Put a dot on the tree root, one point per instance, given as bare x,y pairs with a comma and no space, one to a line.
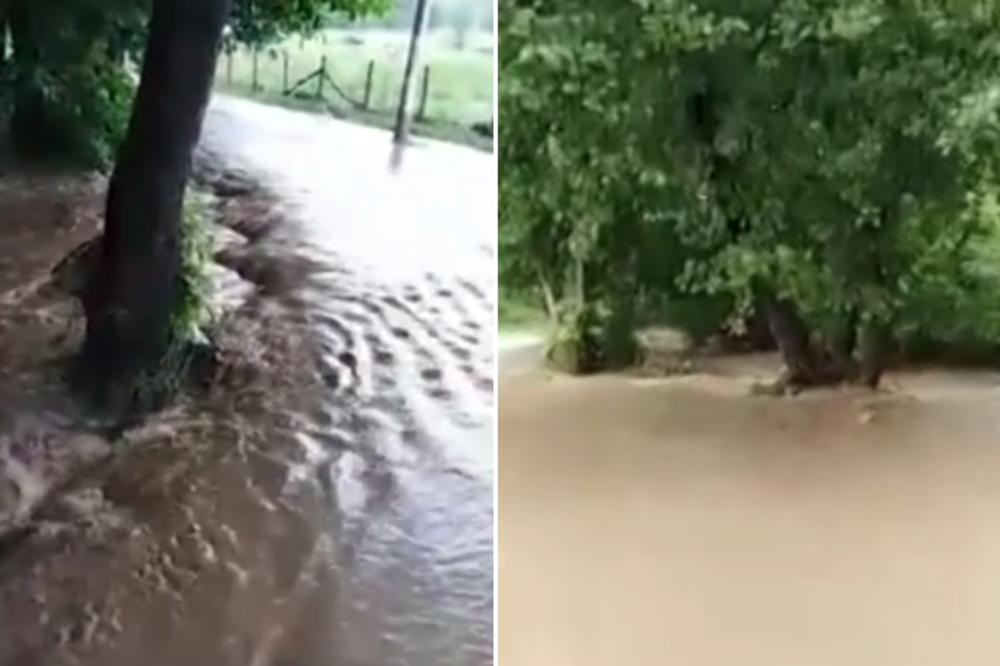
791,384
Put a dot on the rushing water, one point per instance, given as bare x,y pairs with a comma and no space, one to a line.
689,523
344,516
400,301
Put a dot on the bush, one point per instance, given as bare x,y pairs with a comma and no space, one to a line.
833,156
698,317
190,335
593,336
193,314
76,113
951,309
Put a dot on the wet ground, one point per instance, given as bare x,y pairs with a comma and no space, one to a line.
330,500
681,521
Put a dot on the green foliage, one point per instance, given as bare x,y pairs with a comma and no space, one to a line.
192,320
65,88
157,387
460,92
950,306
573,344
86,106
568,219
66,93
519,310
592,335
827,152
262,21
193,314
698,316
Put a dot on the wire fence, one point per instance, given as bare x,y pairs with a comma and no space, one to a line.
362,89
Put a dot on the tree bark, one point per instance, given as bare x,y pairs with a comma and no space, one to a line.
874,344
875,333
758,329
131,297
842,345
792,337
548,295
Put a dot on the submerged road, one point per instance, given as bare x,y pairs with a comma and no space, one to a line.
400,300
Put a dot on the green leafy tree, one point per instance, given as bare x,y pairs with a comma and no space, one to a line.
565,179
804,155
66,84
63,51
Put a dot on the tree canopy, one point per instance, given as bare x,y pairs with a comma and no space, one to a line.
69,93
835,158
64,85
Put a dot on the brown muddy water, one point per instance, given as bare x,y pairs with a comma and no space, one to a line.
680,521
329,500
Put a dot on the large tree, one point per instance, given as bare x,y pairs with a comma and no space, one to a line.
65,79
794,157
132,295
66,59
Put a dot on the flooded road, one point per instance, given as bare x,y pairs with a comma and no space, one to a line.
399,301
331,502
680,521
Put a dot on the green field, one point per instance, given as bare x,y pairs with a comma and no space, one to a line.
520,313
460,88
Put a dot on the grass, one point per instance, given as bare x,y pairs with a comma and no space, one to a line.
191,321
518,313
460,88
193,315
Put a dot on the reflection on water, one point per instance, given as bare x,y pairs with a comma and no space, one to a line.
335,508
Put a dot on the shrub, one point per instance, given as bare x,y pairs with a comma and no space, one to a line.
76,113
193,315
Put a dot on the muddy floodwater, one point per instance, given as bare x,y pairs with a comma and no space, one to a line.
329,500
679,521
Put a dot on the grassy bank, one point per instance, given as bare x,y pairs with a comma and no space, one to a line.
459,87
517,313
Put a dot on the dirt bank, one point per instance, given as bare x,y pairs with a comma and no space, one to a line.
680,521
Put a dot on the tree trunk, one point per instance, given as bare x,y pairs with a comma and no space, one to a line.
874,344
131,297
758,329
842,345
875,331
549,297
793,341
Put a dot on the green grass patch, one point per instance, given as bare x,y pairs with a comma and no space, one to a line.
460,84
518,312
193,316
191,322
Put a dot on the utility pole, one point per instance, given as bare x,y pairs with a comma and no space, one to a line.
401,131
